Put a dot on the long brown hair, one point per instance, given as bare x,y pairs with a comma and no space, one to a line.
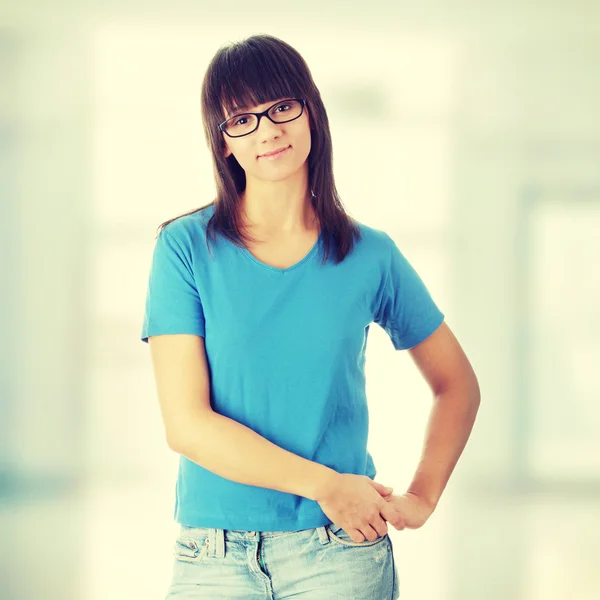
256,70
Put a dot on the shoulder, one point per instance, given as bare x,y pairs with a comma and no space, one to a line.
376,242
189,231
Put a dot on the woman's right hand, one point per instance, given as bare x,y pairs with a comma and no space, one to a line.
355,503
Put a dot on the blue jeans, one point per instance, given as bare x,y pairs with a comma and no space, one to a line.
321,563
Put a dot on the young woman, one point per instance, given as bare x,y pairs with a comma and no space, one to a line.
258,350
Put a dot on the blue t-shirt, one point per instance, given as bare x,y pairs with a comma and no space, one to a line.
286,355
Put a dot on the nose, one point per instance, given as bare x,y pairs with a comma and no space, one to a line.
267,126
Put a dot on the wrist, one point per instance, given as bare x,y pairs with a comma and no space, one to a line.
429,501
321,482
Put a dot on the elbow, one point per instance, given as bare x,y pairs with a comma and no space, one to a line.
476,390
472,392
465,389
193,428
173,439
173,442
177,439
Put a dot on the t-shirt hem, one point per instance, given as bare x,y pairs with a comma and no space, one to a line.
151,332
198,520
404,345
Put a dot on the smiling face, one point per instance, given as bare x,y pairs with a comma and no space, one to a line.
269,137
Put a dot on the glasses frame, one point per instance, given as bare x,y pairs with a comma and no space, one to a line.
260,115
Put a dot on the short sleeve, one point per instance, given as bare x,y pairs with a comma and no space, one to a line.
404,307
173,304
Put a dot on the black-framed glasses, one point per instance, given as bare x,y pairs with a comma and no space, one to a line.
246,123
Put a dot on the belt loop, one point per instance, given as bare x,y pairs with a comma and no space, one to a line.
216,539
323,535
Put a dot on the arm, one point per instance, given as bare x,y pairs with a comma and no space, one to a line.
443,364
215,441
237,452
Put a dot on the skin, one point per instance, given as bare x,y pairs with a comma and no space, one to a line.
276,201
456,400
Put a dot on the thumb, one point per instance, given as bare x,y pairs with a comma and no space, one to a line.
391,514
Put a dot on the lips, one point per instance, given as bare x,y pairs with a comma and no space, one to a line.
274,152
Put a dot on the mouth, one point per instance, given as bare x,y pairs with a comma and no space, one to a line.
274,153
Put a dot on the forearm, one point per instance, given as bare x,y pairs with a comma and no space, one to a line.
449,426
234,451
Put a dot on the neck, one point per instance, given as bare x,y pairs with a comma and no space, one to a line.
277,212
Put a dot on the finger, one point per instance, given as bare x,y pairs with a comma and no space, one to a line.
380,526
369,533
356,535
400,525
381,488
391,515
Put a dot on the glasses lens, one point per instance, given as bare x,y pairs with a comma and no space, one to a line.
241,124
285,110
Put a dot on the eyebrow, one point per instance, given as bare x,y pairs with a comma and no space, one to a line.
237,109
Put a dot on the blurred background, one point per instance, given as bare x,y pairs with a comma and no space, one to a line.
469,131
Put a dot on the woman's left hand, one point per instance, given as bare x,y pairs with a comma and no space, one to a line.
413,509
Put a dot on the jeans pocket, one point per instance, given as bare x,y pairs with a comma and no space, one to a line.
191,549
340,536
